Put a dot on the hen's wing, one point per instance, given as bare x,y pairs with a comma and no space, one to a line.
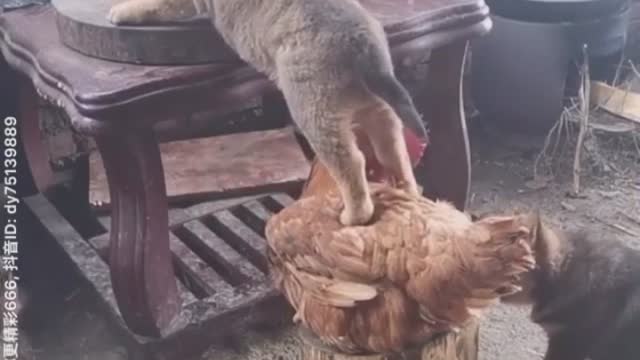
428,248
335,277
407,237
319,181
297,237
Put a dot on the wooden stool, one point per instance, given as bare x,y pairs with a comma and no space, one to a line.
117,104
449,346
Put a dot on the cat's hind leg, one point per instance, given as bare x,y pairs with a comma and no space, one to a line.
385,131
328,131
336,148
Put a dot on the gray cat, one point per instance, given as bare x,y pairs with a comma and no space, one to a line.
585,293
331,60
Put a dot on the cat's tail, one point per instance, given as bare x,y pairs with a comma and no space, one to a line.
386,86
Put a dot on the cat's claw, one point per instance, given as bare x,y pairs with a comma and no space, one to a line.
119,14
129,12
361,216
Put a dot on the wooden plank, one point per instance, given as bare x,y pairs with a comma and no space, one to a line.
178,216
244,238
236,268
232,164
201,272
101,246
619,102
254,214
205,278
82,255
259,210
105,221
278,200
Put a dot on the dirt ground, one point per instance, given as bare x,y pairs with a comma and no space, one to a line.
64,322
502,179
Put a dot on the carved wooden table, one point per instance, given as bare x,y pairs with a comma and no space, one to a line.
117,104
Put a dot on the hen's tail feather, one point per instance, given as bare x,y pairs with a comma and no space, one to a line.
494,271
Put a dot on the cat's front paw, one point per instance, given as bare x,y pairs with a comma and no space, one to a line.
129,12
357,215
411,187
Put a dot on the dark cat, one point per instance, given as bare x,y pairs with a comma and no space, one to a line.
585,292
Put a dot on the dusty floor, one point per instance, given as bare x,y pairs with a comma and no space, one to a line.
65,324
502,179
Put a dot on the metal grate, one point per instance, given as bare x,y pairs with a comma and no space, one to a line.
218,251
218,247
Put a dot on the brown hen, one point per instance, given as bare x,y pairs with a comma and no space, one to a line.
419,268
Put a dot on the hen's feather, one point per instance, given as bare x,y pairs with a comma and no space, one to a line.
421,267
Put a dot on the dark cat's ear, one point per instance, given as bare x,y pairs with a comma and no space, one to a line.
522,225
497,222
532,221
505,226
478,216
548,241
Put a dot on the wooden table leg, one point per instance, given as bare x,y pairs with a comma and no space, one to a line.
9,108
445,170
140,260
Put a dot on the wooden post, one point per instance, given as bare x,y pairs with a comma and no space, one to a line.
450,346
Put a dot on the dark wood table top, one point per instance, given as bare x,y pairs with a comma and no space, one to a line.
98,94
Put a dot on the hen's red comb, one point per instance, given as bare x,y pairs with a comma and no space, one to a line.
375,172
415,146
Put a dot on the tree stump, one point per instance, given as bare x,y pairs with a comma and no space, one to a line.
462,345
